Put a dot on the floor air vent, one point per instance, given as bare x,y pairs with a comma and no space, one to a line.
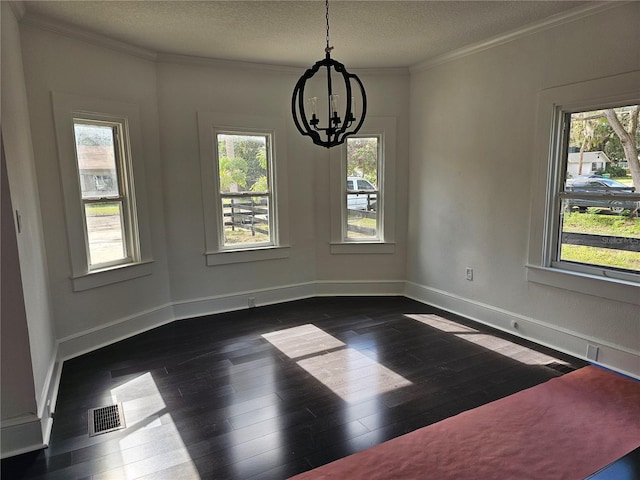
106,419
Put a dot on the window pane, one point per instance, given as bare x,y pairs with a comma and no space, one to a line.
96,160
243,163
593,238
361,224
599,224
105,232
362,159
362,176
246,220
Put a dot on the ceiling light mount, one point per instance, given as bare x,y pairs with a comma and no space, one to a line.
340,121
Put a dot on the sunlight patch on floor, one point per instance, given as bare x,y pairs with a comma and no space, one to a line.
347,372
352,375
491,342
148,418
304,340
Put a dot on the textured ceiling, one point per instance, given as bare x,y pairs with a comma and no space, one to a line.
365,34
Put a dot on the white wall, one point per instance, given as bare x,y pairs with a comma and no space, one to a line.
222,87
473,125
387,95
169,92
56,63
217,87
24,391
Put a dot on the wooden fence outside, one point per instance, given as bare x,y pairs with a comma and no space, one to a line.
247,215
629,244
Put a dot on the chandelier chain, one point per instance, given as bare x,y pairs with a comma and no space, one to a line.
326,3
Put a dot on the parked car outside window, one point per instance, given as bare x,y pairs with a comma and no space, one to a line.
600,185
360,199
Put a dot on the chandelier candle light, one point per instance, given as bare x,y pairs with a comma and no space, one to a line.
338,122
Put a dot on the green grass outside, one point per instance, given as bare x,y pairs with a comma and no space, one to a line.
102,209
618,225
241,236
363,222
613,225
601,256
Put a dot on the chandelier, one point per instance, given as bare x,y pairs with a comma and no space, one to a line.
342,118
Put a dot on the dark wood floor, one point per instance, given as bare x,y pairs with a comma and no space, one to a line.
212,397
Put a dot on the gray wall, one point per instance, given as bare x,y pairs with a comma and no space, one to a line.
473,128
31,359
169,92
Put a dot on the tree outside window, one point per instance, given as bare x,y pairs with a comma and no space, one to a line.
599,197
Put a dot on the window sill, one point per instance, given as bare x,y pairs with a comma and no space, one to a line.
362,248
609,288
227,257
111,275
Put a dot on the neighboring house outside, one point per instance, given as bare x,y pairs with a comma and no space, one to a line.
591,162
97,170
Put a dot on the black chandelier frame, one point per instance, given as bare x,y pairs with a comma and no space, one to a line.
337,129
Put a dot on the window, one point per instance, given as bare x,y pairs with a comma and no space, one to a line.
598,223
244,182
363,190
584,229
243,171
362,196
105,191
103,184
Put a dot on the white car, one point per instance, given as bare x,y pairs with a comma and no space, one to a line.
360,199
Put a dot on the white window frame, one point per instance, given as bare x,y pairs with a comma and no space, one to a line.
273,233
210,124
126,195
379,237
67,109
385,129
542,265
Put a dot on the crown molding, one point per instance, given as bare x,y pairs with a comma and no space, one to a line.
72,31
218,62
18,8
591,8
287,69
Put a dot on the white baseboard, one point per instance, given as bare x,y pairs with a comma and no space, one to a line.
241,300
339,288
563,340
610,356
94,338
21,435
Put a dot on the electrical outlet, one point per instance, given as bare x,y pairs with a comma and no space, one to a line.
252,301
470,274
592,352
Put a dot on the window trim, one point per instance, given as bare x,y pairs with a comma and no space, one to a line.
385,129
542,267
66,109
209,125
